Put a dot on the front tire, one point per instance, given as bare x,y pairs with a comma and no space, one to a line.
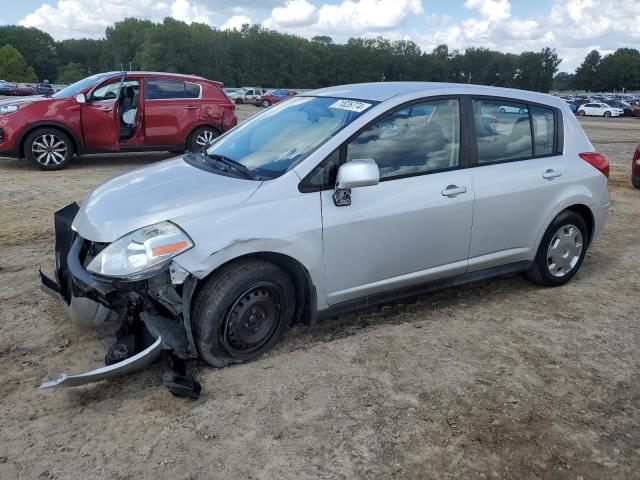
266,104
242,311
581,113
561,250
48,149
607,114
201,137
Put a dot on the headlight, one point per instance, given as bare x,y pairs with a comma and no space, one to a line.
14,107
142,252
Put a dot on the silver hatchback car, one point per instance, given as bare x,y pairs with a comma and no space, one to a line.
334,200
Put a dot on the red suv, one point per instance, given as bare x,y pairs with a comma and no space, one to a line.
115,112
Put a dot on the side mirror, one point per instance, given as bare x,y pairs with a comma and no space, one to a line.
80,98
354,174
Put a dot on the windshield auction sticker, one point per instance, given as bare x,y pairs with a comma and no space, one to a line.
352,105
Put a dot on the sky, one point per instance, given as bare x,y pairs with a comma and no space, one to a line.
572,27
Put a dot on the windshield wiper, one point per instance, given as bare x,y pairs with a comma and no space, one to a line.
235,165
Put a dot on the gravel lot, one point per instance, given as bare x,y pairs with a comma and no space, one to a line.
495,380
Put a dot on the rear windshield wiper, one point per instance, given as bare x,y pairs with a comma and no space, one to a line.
235,165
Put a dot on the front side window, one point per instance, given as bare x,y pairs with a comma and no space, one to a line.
544,130
281,136
503,131
418,139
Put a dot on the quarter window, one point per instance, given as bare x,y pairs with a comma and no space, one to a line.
503,131
544,130
418,139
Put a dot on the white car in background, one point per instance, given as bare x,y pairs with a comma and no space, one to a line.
600,110
511,109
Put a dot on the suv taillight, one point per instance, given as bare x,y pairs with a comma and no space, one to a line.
598,160
635,165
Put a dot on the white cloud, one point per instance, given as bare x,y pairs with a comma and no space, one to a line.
187,12
294,13
236,22
348,17
90,18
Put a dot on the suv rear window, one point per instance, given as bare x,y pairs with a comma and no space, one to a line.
163,89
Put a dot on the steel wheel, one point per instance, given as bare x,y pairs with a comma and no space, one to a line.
49,150
252,320
205,137
564,250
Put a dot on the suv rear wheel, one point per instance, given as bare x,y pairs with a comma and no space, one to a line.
561,250
201,137
242,311
48,148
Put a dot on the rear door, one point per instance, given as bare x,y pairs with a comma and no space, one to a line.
171,110
100,117
519,178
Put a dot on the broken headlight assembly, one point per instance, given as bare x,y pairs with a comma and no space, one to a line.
141,253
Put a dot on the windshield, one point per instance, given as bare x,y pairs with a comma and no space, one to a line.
283,135
77,87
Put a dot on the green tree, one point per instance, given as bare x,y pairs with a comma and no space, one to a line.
70,73
36,46
585,75
13,66
563,81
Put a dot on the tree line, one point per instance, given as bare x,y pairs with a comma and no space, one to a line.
260,57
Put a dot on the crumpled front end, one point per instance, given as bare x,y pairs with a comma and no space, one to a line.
151,316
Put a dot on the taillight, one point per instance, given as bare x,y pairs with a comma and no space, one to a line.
598,160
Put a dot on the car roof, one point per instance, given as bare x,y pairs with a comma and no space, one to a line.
381,91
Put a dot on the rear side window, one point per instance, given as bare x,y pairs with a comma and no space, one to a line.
191,90
164,89
503,131
544,130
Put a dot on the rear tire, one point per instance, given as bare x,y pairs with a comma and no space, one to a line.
48,149
635,181
561,250
200,137
242,311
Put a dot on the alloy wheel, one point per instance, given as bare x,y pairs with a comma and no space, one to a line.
49,150
564,250
205,137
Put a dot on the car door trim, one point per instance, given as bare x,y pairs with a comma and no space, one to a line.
372,300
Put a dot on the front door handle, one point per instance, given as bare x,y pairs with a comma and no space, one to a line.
453,191
106,109
190,107
551,174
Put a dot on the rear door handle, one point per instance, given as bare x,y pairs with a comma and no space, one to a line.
453,191
190,107
551,174
106,109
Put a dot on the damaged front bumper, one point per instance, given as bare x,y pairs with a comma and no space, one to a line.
151,315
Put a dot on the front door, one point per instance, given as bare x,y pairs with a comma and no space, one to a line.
100,117
415,225
519,182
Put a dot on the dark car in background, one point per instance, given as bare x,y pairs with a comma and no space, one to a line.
22,90
115,112
5,88
274,96
44,89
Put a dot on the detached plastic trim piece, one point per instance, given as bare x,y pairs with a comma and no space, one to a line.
132,364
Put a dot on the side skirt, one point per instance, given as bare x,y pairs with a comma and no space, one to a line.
386,297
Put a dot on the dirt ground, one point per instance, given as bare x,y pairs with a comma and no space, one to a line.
502,379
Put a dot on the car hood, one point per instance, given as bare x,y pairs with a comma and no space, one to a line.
25,99
166,190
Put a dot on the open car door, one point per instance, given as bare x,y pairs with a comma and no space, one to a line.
100,117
